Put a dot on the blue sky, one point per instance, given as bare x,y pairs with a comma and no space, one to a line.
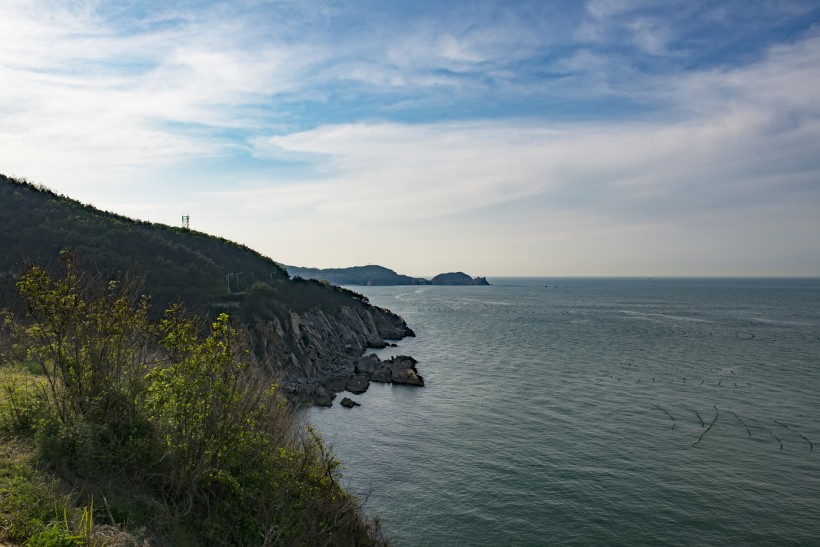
607,137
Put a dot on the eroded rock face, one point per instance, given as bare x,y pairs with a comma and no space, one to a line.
314,393
383,375
367,364
358,383
337,384
403,371
406,376
318,354
400,370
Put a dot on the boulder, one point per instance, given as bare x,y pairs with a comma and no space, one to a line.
358,384
401,361
406,376
403,371
323,397
349,403
367,364
382,375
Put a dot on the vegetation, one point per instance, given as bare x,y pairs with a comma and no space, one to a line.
118,428
174,263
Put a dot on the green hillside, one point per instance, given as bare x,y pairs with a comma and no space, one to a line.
178,264
174,264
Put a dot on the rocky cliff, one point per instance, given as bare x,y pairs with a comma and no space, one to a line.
317,353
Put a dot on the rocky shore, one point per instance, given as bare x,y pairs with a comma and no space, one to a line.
321,353
396,370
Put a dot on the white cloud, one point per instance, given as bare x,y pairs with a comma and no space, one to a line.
742,159
94,99
85,103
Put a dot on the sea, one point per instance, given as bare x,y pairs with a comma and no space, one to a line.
581,411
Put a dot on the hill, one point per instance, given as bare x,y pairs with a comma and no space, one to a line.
178,264
357,275
306,332
379,275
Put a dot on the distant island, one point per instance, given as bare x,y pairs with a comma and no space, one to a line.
458,278
379,275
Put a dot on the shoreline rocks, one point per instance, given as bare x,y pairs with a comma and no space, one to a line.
398,370
358,383
319,352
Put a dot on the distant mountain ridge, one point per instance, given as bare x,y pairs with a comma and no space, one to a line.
379,275
357,275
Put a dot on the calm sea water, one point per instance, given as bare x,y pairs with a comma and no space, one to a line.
595,411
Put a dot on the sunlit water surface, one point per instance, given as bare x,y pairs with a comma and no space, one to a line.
594,411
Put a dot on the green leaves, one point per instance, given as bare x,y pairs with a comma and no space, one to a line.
202,401
89,340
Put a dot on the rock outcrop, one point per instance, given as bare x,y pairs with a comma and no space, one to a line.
320,354
358,383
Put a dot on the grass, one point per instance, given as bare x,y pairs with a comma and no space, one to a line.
35,509
21,403
29,499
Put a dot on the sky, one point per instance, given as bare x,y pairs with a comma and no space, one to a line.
511,137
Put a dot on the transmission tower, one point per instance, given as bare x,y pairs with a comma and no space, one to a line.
186,222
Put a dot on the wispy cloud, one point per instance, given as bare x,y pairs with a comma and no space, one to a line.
745,147
539,124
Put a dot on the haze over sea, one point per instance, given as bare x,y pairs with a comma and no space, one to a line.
594,411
